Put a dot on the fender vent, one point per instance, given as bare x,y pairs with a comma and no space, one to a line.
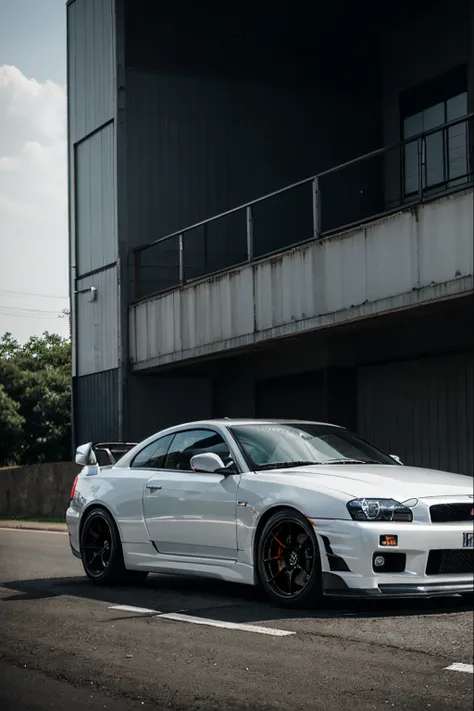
335,561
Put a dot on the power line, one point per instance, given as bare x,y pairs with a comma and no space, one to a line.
30,293
12,311
30,316
27,308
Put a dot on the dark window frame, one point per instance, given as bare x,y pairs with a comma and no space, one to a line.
198,429
132,464
438,90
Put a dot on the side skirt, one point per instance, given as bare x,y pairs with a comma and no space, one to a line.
143,556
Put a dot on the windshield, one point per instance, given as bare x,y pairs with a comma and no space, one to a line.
276,444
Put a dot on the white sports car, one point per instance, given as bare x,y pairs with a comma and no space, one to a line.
305,509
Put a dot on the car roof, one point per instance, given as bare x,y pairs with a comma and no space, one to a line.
216,422
228,421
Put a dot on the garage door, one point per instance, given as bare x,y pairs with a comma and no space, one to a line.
421,410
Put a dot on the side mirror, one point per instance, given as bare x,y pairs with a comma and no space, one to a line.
397,458
209,463
85,456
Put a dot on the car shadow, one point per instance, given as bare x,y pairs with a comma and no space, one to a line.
224,601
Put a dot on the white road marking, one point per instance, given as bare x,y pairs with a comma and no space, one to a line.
272,631
130,608
33,530
178,617
469,668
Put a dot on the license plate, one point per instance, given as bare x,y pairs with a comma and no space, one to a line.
468,540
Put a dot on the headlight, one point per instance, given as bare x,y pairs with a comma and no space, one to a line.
378,510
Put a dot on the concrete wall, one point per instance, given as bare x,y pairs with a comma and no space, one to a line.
407,260
39,490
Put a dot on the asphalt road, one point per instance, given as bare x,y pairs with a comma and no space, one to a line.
63,647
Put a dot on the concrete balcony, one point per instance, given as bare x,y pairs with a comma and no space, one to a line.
401,261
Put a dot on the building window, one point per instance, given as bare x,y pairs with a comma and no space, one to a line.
444,155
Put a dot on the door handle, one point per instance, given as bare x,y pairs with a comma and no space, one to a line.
154,487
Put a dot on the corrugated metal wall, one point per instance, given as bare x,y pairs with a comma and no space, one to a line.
300,396
97,323
158,402
96,407
96,195
207,131
93,230
422,410
91,66
199,146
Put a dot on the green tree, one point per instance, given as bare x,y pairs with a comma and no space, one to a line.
36,377
11,428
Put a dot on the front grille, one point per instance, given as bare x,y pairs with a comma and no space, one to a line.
452,513
450,562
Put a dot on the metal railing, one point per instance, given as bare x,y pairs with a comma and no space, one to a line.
410,186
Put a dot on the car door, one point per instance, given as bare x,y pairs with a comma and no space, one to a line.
191,513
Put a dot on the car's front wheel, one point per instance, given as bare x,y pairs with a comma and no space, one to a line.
101,551
288,560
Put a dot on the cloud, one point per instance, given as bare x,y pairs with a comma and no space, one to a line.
24,97
33,202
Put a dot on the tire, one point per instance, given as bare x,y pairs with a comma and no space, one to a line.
294,556
101,551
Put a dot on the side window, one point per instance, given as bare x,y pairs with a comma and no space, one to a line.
153,455
186,444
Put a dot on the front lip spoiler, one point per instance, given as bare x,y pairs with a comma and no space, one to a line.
385,591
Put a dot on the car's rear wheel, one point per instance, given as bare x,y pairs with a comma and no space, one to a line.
101,551
289,565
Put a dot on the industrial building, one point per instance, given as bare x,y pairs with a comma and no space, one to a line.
271,214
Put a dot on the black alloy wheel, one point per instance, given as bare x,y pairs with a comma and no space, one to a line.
101,551
288,560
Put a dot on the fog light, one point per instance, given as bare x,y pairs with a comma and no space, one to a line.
389,541
379,561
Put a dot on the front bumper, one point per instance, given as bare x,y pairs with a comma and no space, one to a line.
348,547
335,586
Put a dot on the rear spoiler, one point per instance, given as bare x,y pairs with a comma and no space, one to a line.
113,450
102,453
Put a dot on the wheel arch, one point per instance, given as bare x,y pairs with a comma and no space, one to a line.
316,584
264,517
91,507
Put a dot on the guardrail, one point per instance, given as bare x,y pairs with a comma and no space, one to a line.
386,181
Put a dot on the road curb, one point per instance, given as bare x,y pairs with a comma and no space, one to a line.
33,526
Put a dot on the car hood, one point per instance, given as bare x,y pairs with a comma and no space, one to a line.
374,480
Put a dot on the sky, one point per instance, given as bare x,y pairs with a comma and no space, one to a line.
33,168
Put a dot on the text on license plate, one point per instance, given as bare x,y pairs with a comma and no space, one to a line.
468,540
